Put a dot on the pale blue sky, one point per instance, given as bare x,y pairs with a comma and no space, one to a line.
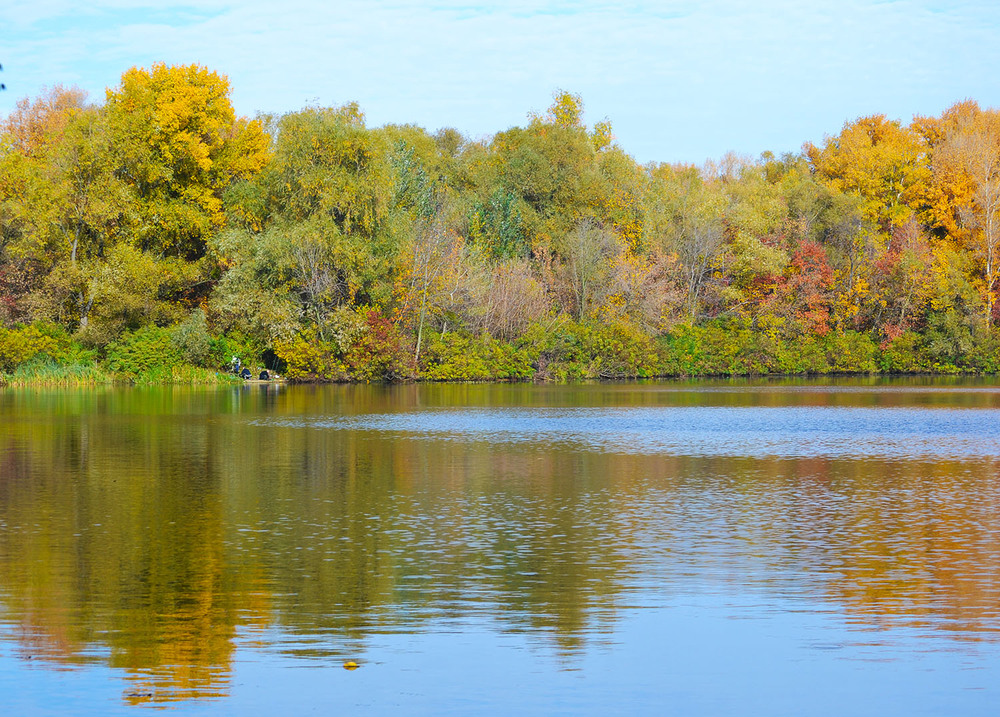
680,80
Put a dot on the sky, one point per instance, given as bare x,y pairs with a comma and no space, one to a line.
680,80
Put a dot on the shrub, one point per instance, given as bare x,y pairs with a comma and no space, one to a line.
984,356
380,352
681,350
141,351
460,357
904,354
851,352
192,340
222,349
307,358
36,342
619,349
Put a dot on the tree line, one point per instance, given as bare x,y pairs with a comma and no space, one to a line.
159,229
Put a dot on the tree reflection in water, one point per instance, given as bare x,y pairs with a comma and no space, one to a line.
153,530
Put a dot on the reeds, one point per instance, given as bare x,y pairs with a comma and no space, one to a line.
53,374
46,373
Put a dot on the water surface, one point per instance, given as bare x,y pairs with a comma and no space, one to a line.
700,548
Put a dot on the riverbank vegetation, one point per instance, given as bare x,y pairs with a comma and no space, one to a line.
155,235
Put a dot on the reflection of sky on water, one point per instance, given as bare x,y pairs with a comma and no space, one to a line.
502,549
712,655
792,432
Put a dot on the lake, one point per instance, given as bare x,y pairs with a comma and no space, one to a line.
699,548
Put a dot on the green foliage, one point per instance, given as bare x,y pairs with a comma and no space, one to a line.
192,340
256,297
462,357
496,225
851,352
905,354
949,336
572,350
139,352
739,348
326,162
414,189
985,354
224,347
620,350
314,226
308,358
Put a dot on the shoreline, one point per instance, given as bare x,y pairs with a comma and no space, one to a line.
224,380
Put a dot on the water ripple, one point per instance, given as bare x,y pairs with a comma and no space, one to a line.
790,432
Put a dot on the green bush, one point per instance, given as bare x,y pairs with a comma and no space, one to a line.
142,351
307,358
904,354
618,349
556,350
851,352
461,357
984,356
192,340
681,350
737,348
223,348
949,338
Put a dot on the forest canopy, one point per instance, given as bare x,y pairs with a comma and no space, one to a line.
157,229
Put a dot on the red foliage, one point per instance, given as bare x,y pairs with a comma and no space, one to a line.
809,284
381,353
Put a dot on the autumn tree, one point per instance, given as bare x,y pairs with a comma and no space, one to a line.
808,285
430,268
900,283
587,253
313,227
73,207
876,159
178,145
686,220
971,150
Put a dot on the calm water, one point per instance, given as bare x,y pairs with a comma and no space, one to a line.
722,547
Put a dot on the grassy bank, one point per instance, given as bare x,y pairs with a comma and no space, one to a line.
561,350
80,375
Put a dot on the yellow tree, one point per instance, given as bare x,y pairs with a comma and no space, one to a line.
938,200
72,207
179,144
971,150
876,159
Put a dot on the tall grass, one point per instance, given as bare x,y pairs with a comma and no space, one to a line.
180,374
50,373
47,373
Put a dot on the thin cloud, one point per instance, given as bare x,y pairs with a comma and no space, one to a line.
679,80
